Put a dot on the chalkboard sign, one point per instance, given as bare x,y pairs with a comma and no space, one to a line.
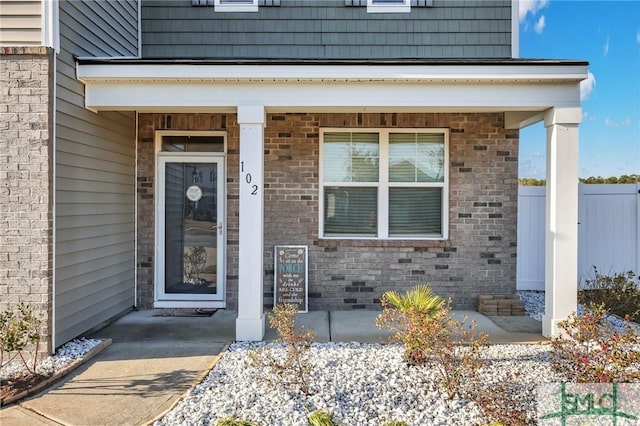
290,277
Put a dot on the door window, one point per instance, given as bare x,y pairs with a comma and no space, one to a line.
191,228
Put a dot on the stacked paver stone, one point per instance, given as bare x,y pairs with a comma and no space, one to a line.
500,305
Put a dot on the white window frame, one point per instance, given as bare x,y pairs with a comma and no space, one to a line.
235,6
386,6
383,184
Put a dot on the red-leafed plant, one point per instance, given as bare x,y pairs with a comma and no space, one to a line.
291,369
592,351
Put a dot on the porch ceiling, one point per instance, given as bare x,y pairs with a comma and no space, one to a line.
451,86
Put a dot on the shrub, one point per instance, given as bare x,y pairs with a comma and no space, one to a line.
455,351
409,315
234,421
430,336
594,352
503,402
294,369
321,418
421,298
17,332
618,293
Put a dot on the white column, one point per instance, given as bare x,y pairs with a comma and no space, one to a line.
561,240
250,322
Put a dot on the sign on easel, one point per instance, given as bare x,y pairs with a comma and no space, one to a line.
291,275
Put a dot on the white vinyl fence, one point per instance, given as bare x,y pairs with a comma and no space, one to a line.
608,232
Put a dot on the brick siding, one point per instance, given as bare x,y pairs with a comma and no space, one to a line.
478,257
26,182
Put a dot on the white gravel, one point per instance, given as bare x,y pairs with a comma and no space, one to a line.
64,356
533,303
365,384
534,307
360,384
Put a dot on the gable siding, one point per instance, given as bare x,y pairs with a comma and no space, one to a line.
95,179
20,23
327,29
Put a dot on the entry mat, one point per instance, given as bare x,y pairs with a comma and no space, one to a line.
183,312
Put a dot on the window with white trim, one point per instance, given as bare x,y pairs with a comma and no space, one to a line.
384,184
236,5
386,6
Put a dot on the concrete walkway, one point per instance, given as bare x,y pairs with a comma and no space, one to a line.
153,361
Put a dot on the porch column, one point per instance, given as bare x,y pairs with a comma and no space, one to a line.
250,322
561,240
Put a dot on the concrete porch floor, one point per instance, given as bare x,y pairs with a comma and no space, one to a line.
330,326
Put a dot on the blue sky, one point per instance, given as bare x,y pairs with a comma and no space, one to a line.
607,35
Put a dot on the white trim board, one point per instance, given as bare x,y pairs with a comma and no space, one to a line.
180,96
332,88
525,73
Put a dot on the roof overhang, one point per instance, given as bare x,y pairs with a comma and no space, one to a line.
295,86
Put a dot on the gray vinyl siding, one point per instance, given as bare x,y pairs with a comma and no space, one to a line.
308,29
20,23
95,176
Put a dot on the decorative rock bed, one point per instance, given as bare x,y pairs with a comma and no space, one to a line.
360,384
16,382
364,384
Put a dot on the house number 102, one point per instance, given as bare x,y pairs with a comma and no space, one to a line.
247,178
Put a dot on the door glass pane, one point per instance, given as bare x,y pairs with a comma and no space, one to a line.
192,143
191,228
349,210
415,211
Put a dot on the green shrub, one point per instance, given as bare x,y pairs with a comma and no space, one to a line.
618,294
234,421
321,418
409,315
430,336
293,371
594,352
18,330
420,298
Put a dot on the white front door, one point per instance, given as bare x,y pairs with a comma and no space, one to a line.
190,255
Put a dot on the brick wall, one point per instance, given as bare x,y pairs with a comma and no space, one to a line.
25,182
479,256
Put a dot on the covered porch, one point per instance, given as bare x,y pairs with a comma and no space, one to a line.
521,92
